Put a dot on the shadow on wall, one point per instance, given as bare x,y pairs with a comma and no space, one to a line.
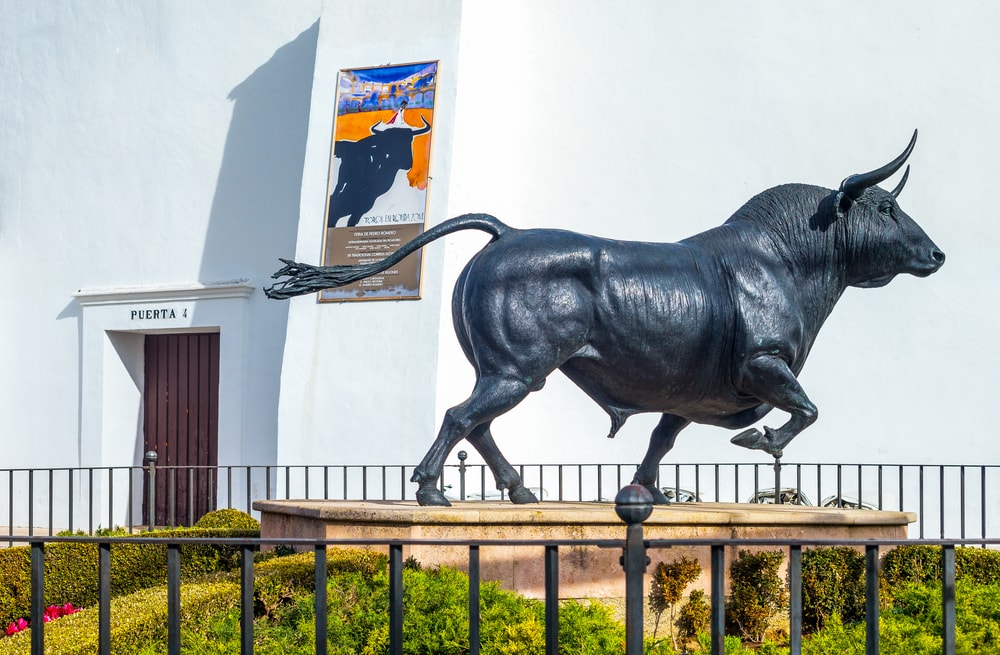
255,214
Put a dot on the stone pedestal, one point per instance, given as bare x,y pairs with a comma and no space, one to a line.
584,571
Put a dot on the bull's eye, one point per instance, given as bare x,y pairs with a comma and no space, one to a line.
887,209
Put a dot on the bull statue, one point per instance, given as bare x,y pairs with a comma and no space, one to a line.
712,329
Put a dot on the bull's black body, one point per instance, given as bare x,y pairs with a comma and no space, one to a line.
712,329
368,168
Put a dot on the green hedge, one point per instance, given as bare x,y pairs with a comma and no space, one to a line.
278,580
922,564
138,620
71,568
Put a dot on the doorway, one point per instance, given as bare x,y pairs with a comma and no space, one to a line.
181,424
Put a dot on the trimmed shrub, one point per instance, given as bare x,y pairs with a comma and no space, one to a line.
757,593
694,616
833,583
71,569
139,620
922,565
229,519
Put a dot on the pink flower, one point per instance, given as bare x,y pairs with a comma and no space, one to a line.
16,627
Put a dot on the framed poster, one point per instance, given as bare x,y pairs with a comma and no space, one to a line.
377,193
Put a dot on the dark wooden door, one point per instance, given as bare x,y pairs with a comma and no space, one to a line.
181,424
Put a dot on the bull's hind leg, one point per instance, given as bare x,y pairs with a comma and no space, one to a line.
505,475
491,397
660,442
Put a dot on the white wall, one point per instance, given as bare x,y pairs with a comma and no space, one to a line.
144,145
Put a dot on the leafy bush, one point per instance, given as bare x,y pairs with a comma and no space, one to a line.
71,568
833,583
667,587
757,593
228,519
140,619
435,618
694,616
278,580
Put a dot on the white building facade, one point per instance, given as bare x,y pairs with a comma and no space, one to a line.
158,158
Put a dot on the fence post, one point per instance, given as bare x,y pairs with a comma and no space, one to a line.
462,456
151,458
634,504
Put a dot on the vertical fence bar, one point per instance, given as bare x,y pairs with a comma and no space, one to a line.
320,591
736,483
172,498
795,600
718,617
920,470
37,598
840,486
173,599
717,499
901,470
961,503
948,599
982,501
229,488
90,501
249,487
552,600
70,481
871,600
191,495
560,469
819,483
31,502
474,617
246,599
396,599
104,599
51,507
128,504
10,507
111,498
941,500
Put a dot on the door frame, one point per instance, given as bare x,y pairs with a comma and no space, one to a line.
113,323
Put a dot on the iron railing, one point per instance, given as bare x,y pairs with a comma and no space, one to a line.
950,501
634,550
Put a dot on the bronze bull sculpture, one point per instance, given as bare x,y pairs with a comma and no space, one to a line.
712,329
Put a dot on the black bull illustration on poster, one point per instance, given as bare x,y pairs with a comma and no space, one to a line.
712,329
368,168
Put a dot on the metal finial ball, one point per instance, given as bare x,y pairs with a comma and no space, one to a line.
151,456
462,455
634,504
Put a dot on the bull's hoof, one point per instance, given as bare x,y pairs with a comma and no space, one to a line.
659,498
757,440
521,495
432,497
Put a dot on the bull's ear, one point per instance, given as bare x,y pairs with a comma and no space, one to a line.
842,203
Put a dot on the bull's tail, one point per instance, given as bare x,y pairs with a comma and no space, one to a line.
305,278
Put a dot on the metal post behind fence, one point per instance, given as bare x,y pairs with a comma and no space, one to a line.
462,456
634,504
151,458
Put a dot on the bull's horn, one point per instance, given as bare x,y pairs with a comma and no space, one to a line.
899,187
422,130
855,185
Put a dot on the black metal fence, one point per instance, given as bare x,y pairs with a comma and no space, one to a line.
634,560
950,501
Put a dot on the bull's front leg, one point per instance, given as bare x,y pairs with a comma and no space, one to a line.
768,378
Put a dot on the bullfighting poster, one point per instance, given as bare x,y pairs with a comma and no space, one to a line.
377,194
